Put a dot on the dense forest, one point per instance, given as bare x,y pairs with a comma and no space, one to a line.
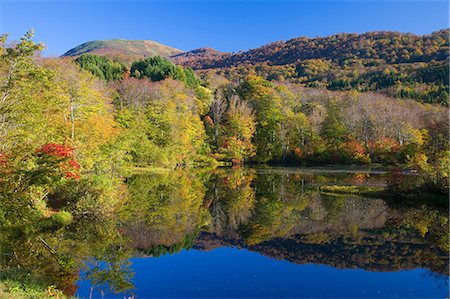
72,129
400,65
251,119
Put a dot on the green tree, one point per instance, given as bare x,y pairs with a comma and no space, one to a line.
238,131
267,104
333,129
102,67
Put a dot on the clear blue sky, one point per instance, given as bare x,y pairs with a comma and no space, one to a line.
225,26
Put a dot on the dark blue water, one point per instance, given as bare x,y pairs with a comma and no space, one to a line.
238,273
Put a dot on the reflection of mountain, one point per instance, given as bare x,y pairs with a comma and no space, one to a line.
371,252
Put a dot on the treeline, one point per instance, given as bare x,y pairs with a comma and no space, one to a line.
370,48
423,82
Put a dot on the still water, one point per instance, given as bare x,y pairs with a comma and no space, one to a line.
271,232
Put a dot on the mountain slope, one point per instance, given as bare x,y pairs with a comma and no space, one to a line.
198,58
125,50
371,48
401,65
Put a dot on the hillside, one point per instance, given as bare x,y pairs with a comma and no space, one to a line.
340,252
198,58
401,65
372,48
124,50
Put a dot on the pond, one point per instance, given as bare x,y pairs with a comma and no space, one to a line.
245,233
271,232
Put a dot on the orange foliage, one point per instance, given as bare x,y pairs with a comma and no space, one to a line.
385,144
298,152
208,120
354,147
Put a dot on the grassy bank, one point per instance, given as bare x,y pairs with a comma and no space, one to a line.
17,285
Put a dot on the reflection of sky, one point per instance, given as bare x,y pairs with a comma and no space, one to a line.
230,272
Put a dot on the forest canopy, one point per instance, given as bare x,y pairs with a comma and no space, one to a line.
397,64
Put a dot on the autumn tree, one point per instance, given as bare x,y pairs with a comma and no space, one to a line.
267,105
236,142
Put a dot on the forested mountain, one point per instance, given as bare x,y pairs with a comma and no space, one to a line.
199,58
368,49
124,50
398,64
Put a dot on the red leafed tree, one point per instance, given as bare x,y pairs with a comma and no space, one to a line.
60,157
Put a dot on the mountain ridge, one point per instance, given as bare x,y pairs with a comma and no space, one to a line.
402,65
123,49
394,46
341,46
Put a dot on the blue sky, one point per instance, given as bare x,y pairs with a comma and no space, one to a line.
225,26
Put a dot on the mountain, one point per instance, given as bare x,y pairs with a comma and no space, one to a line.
401,65
198,58
125,50
370,48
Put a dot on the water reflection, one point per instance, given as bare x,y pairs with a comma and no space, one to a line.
286,215
300,216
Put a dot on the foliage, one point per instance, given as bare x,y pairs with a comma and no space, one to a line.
102,67
400,65
69,139
161,122
57,136
158,68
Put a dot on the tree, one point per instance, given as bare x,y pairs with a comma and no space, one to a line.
15,67
333,129
238,131
157,68
102,67
267,105
217,111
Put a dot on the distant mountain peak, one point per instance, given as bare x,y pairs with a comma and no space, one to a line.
200,56
124,49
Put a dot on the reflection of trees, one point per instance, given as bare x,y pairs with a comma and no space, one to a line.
370,252
46,255
282,215
341,214
285,208
363,232
279,214
280,202
232,200
163,209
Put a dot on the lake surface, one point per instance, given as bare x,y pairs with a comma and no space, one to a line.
272,232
